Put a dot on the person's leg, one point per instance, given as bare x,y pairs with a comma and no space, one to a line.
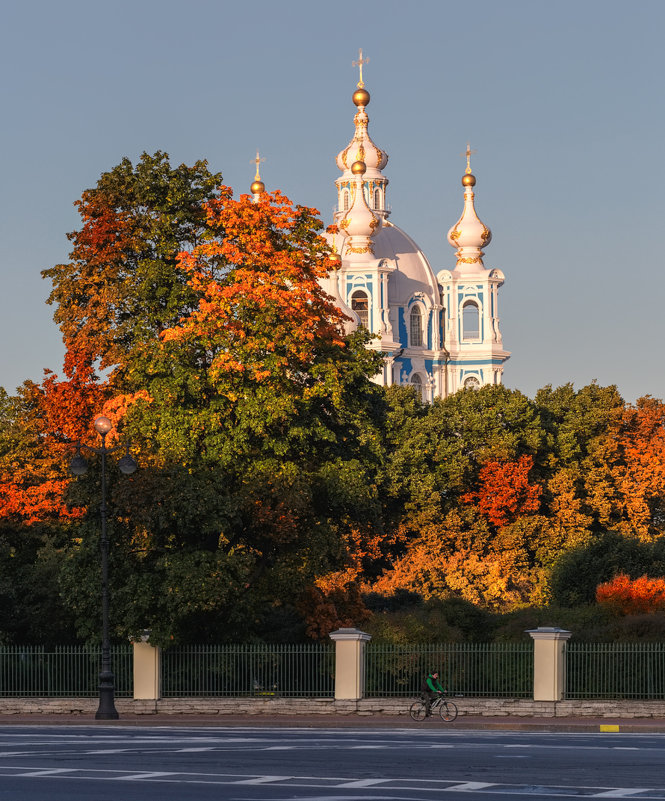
429,697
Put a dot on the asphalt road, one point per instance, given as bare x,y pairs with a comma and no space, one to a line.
261,763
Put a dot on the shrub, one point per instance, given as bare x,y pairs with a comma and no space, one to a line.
626,596
578,572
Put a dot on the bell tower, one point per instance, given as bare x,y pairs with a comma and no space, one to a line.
470,295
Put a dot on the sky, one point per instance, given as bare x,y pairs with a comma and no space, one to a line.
561,100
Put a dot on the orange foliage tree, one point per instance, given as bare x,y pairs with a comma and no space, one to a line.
262,314
635,453
505,492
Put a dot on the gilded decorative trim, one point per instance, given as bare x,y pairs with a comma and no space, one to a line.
486,235
455,234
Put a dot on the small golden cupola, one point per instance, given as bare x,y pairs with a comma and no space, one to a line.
362,149
469,235
359,223
257,187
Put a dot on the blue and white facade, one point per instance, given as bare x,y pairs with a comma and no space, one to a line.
438,332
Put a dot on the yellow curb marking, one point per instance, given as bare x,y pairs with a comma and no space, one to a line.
609,728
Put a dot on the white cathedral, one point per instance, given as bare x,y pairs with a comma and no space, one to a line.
437,332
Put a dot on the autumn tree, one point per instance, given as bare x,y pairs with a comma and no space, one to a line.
630,486
441,459
121,288
504,492
248,408
578,424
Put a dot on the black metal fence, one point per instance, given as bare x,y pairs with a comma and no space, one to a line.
615,670
498,670
304,671
66,671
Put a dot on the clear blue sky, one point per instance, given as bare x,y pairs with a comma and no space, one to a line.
562,100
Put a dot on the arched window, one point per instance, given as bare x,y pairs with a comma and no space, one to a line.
415,327
470,320
377,198
360,305
345,196
417,383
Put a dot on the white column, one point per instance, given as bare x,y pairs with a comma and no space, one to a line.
147,669
349,663
549,662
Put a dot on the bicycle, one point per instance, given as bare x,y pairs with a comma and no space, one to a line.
446,709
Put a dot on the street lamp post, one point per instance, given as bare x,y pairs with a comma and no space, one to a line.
79,467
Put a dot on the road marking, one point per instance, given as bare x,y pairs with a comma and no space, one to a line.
469,786
326,784
155,774
609,727
193,750
511,756
263,780
49,772
105,751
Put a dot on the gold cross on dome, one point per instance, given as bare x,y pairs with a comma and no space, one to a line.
360,63
257,161
467,154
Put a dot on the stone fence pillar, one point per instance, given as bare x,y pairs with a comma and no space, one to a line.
147,670
549,662
349,663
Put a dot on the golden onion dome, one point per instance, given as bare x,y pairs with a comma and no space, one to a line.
358,168
361,97
257,187
468,179
334,260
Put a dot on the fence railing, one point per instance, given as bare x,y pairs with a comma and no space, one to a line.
500,670
61,671
479,669
615,670
305,671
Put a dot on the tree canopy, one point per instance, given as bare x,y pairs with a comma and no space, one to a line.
281,491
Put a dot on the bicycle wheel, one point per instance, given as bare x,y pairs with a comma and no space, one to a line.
417,710
448,711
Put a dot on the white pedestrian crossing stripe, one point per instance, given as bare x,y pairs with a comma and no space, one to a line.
329,783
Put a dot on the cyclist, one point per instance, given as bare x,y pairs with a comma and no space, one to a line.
431,688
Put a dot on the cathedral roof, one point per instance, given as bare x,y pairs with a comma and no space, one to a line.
413,273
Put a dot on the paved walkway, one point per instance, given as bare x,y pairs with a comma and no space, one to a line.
464,722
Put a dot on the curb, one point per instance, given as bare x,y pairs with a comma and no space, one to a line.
463,723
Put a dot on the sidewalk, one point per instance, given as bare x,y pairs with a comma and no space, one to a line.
463,723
